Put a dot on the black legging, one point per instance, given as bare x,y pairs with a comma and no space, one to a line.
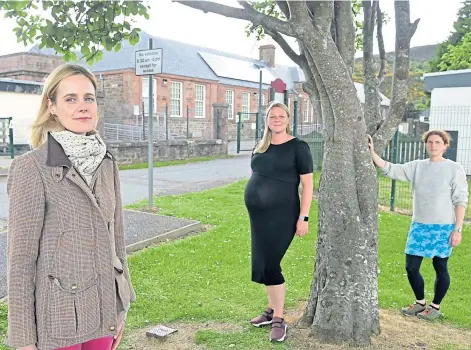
442,280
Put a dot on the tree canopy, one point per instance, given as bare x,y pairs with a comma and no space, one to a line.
461,27
70,26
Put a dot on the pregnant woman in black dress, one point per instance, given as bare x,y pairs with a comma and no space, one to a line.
279,163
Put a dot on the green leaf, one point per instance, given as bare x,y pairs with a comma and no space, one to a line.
99,56
85,51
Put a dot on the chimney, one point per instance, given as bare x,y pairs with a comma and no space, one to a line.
267,54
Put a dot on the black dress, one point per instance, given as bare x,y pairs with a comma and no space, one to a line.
273,204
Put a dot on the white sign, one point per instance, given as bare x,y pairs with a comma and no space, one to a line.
149,62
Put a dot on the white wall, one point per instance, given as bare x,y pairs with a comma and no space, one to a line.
451,110
23,108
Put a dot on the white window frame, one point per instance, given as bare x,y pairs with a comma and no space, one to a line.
180,84
230,101
245,111
202,102
145,95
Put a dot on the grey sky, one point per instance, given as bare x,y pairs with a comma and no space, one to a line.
170,19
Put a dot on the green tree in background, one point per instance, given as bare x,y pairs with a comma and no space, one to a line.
462,26
68,26
458,56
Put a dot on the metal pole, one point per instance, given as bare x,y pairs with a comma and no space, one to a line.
143,122
239,121
10,134
394,160
151,138
259,114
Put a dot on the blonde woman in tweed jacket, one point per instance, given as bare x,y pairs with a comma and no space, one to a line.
68,280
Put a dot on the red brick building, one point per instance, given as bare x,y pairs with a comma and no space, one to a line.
192,80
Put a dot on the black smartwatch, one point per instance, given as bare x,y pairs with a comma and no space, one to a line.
304,218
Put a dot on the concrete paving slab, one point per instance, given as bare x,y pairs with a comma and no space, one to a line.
141,230
144,229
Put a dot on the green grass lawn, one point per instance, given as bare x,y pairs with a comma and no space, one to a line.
170,162
206,278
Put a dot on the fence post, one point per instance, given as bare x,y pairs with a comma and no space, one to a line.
394,160
10,134
239,121
166,121
187,122
295,118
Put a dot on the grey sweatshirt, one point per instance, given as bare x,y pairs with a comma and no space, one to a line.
437,187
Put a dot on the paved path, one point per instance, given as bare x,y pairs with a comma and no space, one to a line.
177,179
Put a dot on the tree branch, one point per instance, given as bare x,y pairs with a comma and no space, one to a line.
382,51
372,97
284,7
345,32
404,32
298,59
322,13
299,13
247,14
245,4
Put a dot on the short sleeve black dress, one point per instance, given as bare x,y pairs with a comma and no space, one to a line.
273,203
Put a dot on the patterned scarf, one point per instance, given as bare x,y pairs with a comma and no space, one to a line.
84,151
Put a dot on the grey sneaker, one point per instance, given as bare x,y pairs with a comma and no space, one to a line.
278,329
264,319
413,310
430,314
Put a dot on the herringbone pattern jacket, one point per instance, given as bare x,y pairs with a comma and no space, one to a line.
68,280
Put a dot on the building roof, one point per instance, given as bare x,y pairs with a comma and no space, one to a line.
447,79
186,60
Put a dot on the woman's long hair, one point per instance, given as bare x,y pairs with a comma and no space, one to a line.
265,142
45,121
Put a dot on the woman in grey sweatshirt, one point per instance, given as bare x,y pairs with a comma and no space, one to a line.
440,195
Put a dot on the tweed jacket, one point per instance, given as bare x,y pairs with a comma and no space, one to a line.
68,279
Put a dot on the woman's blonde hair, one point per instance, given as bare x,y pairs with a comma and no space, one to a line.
264,143
442,133
45,121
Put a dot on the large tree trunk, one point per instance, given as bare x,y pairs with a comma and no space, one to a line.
343,304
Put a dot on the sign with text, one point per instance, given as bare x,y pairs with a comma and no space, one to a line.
149,61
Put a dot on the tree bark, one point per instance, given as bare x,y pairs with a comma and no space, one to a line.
343,304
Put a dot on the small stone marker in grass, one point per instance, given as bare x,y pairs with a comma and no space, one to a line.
160,332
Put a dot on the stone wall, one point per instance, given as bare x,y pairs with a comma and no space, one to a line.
136,152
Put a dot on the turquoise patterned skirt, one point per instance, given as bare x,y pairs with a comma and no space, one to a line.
429,240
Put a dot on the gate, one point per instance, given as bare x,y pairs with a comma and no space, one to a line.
247,136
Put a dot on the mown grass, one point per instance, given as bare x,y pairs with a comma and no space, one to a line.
206,278
169,163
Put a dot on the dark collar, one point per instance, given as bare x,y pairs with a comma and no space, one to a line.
56,155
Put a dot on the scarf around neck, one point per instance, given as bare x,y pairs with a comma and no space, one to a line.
85,152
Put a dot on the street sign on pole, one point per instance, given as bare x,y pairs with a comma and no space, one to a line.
149,62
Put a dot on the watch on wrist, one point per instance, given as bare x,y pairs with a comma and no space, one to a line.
457,229
304,218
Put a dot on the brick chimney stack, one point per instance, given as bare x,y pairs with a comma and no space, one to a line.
267,54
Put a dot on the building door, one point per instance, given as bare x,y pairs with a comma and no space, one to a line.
452,151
